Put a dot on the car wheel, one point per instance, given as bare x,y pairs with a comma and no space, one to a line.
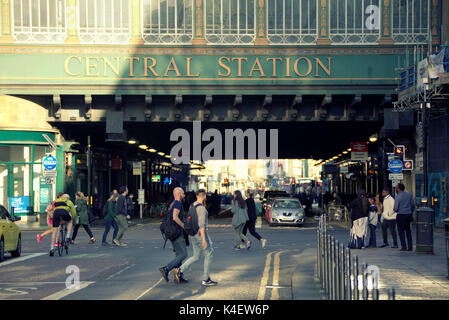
18,250
2,250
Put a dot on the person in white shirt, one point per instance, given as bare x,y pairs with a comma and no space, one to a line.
389,219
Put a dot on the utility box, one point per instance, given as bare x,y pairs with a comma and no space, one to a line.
424,230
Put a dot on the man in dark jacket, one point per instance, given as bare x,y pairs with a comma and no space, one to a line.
251,223
122,216
130,206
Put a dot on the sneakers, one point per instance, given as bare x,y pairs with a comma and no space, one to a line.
264,243
237,248
122,244
164,272
177,272
116,242
242,246
209,283
248,244
52,252
39,238
105,244
92,240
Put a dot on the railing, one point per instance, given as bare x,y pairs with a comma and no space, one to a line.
339,271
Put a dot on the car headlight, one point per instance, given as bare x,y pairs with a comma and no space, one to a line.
300,214
274,214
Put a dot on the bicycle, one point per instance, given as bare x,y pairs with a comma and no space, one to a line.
62,243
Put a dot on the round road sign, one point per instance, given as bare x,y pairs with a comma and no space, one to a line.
49,163
396,166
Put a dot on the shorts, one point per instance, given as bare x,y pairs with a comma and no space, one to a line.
60,214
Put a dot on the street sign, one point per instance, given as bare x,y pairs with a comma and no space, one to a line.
49,163
344,169
359,151
50,173
137,168
395,166
50,180
395,183
396,176
408,164
20,204
141,196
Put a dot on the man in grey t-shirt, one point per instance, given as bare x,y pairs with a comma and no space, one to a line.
201,243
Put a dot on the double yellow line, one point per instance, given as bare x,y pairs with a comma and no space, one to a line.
266,275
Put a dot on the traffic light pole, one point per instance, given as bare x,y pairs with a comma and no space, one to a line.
425,146
89,175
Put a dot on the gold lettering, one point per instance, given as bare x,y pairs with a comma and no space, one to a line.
259,68
224,66
239,73
172,67
274,60
66,65
151,68
91,66
115,69
326,70
131,65
287,67
309,71
188,69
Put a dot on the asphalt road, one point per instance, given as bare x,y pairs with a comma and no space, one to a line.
132,272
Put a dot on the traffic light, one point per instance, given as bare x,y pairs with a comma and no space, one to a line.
399,152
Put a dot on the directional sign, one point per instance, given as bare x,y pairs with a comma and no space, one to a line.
395,166
408,164
396,176
50,173
359,151
49,163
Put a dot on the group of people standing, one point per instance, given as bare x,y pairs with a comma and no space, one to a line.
367,212
244,218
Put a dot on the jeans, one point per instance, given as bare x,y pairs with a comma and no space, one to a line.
107,227
197,244
180,249
238,235
251,226
122,226
389,224
372,236
403,221
86,227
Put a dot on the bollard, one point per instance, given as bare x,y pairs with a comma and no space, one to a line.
337,272
364,281
318,270
326,263
391,293
375,290
331,270
348,293
356,278
342,273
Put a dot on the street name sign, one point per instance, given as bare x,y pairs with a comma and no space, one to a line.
396,176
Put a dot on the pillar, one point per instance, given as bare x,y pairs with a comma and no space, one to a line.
435,22
261,26
199,34
385,23
6,22
71,22
323,25
136,23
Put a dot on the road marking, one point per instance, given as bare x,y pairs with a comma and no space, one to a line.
65,292
264,280
276,267
148,290
120,271
15,260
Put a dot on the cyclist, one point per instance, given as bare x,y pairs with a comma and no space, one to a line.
64,210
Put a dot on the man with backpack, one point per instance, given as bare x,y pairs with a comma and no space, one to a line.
196,227
172,229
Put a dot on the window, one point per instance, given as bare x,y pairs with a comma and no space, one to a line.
292,21
354,21
104,21
39,21
410,21
167,21
230,21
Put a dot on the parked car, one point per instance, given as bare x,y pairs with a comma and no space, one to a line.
286,211
268,198
10,235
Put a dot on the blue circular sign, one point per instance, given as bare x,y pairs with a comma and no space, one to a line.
49,163
396,166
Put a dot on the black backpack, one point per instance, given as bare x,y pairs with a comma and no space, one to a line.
191,224
169,229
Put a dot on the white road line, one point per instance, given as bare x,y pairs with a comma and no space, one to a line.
15,260
120,271
65,292
148,290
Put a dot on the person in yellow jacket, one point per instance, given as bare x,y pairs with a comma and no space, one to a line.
64,210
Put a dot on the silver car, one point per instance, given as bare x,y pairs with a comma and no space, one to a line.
286,211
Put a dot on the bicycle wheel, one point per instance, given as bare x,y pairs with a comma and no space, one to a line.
61,241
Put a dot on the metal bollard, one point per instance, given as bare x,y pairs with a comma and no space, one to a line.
356,278
318,270
342,272
326,263
348,293
338,272
331,268
364,281
391,293
375,290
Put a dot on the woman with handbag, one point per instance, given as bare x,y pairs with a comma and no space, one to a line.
82,217
240,216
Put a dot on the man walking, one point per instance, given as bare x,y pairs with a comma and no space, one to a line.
201,243
251,223
176,212
404,206
389,219
122,216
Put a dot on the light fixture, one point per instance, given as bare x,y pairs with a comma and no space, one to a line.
132,141
345,152
374,138
161,154
349,149
152,150
167,156
339,155
143,146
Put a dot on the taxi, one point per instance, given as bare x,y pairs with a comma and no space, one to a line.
10,235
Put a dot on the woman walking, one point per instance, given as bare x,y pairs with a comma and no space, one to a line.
50,208
110,219
83,217
240,216
359,218
252,216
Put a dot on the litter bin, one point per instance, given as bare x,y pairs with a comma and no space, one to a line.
446,227
424,230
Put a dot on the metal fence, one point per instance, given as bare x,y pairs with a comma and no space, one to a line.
340,274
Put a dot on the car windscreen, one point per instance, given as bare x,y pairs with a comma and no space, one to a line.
287,204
